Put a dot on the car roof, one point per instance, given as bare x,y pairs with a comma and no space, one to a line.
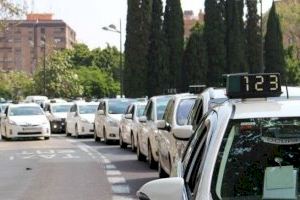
261,108
144,103
161,96
86,103
62,103
24,105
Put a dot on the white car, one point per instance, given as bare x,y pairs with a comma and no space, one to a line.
108,118
243,149
25,120
175,117
147,132
57,114
80,119
129,124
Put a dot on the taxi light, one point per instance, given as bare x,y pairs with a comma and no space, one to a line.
196,89
253,85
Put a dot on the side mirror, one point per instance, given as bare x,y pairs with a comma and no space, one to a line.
157,189
128,116
163,125
100,112
143,119
183,132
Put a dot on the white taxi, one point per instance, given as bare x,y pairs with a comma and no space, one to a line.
80,118
175,118
108,118
129,124
147,132
24,120
245,148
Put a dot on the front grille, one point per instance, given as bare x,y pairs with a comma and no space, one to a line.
29,133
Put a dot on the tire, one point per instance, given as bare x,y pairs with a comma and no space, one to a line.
140,156
3,137
67,133
97,139
46,138
152,163
123,145
106,141
161,172
133,149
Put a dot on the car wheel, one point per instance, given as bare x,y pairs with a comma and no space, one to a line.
46,138
97,139
140,156
133,149
106,141
151,161
67,132
122,144
161,172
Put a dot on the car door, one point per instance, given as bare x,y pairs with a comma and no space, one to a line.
127,124
70,119
165,136
97,118
102,118
146,128
3,121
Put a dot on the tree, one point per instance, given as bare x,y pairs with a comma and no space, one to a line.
80,55
154,58
97,82
173,43
274,52
9,10
253,38
195,58
292,66
136,47
214,35
235,40
61,81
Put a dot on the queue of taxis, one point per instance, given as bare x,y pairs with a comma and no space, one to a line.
246,147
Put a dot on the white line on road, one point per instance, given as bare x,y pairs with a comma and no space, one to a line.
118,197
11,158
116,180
110,166
120,189
113,172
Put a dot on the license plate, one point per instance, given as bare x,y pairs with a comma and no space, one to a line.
31,129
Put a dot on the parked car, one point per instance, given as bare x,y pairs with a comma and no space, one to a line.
57,114
108,118
147,132
175,117
129,124
24,120
80,119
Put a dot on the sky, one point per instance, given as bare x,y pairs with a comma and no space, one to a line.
87,17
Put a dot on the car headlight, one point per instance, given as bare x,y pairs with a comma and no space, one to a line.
113,123
12,122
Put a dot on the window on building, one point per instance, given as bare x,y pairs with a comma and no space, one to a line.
42,30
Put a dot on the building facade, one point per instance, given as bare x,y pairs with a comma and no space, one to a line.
24,43
190,20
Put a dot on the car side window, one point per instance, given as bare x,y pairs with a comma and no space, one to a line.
197,114
100,107
169,112
149,111
72,109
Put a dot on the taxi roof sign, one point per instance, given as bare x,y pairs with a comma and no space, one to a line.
253,85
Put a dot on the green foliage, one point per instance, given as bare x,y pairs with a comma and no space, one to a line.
292,66
154,67
97,83
253,38
235,39
9,10
61,81
274,52
80,55
173,43
195,59
15,84
214,36
136,47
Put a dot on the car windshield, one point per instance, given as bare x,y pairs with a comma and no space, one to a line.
140,110
161,104
88,109
61,108
25,110
259,159
183,111
117,106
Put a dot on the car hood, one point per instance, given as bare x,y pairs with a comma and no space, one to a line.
29,120
89,117
116,117
62,115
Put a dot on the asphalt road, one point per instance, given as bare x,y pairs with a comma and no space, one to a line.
64,168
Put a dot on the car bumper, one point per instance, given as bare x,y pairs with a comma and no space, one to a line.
58,126
15,131
112,133
86,129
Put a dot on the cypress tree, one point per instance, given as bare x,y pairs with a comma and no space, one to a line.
214,35
253,38
235,40
194,58
136,46
154,87
274,52
173,44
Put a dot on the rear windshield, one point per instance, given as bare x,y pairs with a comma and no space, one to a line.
259,159
161,104
118,106
183,111
61,108
140,110
25,110
88,109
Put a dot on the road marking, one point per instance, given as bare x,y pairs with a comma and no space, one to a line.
110,166
116,180
11,158
118,197
48,154
120,189
106,161
113,172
